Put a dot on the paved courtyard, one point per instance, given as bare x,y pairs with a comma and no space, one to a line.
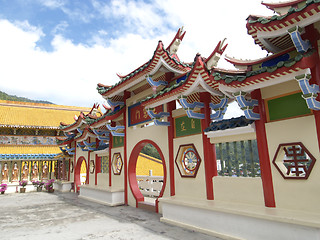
65,216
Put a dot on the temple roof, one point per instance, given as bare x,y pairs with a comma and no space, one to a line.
248,62
186,85
290,3
229,124
264,75
22,114
161,57
270,33
29,149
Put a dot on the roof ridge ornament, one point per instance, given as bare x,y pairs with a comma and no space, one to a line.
215,56
174,45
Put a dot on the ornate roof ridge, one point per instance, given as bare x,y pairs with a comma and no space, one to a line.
224,124
242,77
102,90
287,3
198,61
252,19
246,62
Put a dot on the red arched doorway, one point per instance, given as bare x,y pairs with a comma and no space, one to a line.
77,172
132,171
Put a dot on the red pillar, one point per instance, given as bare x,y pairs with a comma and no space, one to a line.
88,164
74,166
69,165
170,107
125,164
265,166
88,167
210,163
315,78
69,170
96,164
110,147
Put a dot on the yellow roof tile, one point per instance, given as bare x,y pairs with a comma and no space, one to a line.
37,114
23,149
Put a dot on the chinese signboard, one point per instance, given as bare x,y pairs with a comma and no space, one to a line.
138,114
117,141
185,126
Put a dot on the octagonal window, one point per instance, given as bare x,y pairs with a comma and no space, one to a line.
117,163
293,161
188,160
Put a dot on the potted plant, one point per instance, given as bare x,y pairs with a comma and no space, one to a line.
23,185
49,186
3,188
38,185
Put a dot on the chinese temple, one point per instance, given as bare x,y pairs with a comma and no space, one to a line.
28,148
252,177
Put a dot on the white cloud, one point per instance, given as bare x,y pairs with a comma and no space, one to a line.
69,74
52,3
60,28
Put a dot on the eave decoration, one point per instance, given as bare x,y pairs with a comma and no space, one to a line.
302,46
114,130
310,92
247,105
157,116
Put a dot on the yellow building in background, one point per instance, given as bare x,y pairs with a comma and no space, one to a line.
28,148
146,163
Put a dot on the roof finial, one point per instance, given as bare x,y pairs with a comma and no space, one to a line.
174,45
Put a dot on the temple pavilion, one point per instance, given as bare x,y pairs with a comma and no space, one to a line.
252,177
28,148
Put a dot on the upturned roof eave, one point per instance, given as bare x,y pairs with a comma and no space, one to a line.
260,27
151,65
168,96
73,126
289,3
102,121
249,62
267,76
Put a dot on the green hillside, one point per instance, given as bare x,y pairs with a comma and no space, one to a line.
5,96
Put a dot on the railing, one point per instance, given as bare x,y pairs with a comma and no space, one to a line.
238,159
150,186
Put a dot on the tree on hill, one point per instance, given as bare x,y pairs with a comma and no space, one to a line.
5,96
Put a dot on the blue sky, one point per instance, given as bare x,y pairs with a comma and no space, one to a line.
58,50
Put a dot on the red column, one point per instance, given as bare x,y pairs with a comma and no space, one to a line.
265,167
96,164
210,163
69,170
88,165
170,107
125,164
69,165
315,79
74,166
110,147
